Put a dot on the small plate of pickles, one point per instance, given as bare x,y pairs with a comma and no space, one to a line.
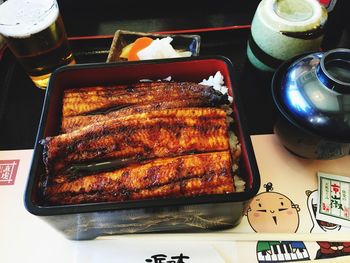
134,46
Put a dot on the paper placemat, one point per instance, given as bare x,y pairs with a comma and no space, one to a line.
282,174
291,180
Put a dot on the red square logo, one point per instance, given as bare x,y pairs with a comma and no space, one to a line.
325,2
8,171
328,4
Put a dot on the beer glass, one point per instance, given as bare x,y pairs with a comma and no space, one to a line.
35,33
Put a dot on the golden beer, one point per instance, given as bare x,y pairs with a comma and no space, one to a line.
41,48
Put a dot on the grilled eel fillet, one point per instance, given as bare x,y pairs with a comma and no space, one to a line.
174,132
187,175
71,123
92,99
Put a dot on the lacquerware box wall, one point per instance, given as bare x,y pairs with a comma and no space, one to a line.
183,214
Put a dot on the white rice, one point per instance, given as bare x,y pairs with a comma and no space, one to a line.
217,82
235,148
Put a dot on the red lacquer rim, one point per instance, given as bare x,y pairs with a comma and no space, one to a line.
180,31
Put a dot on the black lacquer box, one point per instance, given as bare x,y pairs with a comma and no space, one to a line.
184,214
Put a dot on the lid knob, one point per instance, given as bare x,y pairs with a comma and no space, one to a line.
334,70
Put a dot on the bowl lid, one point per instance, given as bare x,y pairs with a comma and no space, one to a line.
313,91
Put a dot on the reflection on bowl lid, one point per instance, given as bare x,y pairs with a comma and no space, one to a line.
315,92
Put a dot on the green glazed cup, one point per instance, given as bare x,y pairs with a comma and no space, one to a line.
282,29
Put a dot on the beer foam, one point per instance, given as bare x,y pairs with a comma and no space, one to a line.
22,18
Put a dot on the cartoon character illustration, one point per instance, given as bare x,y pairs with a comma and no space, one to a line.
327,249
274,212
318,226
332,249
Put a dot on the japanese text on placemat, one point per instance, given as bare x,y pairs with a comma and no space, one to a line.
335,197
8,171
161,258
